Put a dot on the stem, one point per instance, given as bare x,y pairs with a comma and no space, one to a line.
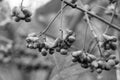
113,15
41,33
21,4
93,15
85,36
61,26
94,34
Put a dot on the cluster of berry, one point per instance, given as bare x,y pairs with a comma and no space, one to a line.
90,61
109,42
101,64
60,45
83,58
21,14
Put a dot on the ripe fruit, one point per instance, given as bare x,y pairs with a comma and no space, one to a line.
71,39
63,51
117,61
111,62
28,19
17,19
107,67
44,52
76,53
51,51
112,57
94,64
84,65
26,12
74,59
113,46
99,70
101,64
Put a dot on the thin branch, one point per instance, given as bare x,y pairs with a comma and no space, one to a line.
113,15
94,34
41,33
93,15
21,4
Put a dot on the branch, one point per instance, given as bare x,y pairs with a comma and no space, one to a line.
93,15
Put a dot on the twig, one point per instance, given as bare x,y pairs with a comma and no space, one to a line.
94,34
113,15
41,33
93,15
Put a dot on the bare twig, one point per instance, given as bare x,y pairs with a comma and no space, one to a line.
94,34
41,33
93,15
113,15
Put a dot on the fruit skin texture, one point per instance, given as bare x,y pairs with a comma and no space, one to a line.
111,62
63,51
44,52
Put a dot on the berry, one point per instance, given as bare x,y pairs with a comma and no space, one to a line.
101,64
51,51
15,11
117,61
71,39
76,54
74,59
99,70
17,19
84,65
107,67
111,62
58,49
28,19
112,57
113,46
92,57
44,52
63,51
94,64
26,12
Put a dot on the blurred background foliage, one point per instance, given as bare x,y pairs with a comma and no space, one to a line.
13,34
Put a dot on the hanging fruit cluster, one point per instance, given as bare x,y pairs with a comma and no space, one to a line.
109,43
21,14
90,61
83,58
101,64
60,45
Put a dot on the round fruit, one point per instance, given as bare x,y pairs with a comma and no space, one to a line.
99,70
28,19
17,19
107,67
51,51
94,64
74,59
117,61
26,12
71,39
112,57
113,46
84,65
63,51
111,62
58,49
101,64
43,52
76,53
92,57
